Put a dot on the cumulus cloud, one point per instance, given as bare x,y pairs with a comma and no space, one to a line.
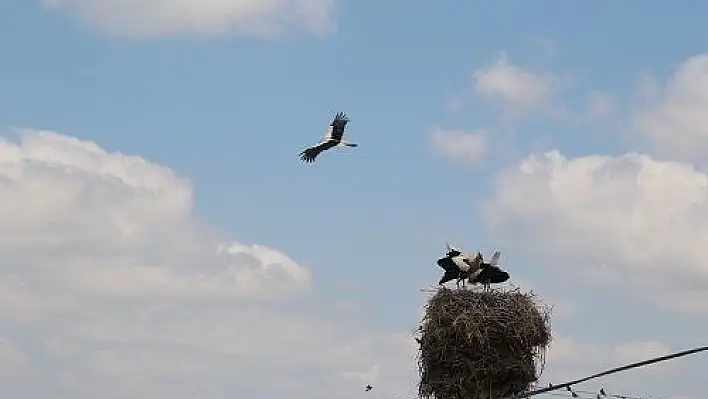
466,146
672,118
119,226
516,89
119,292
640,350
546,46
644,220
568,351
13,363
569,358
261,18
561,307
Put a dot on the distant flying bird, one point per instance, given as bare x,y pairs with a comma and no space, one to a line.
458,266
332,138
490,272
367,388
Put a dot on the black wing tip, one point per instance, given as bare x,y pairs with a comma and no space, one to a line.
341,116
307,158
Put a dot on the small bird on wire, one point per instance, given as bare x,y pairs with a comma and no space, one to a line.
332,138
572,393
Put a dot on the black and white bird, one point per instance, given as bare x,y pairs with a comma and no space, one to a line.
332,138
459,266
490,272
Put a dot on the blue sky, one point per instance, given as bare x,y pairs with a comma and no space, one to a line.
231,112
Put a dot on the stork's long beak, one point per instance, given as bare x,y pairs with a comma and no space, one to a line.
447,247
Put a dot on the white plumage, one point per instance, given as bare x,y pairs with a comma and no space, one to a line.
459,266
332,138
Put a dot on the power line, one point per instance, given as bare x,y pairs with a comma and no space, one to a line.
568,384
583,394
618,396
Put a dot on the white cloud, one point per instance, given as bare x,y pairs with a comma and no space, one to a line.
124,295
467,147
561,307
547,46
118,226
567,351
637,351
640,350
262,18
568,358
13,363
645,220
673,119
518,90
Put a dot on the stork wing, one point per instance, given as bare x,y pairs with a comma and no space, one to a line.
490,275
335,131
309,154
496,275
495,258
473,263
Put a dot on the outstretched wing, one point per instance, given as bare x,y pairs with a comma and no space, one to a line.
473,263
492,275
335,131
446,264
309,154
495,258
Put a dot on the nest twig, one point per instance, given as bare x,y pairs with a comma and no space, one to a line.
482,345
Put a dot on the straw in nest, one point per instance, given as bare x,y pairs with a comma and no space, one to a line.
479,345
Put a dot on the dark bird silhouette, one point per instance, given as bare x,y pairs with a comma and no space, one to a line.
490,273
367,388
458,266
332,138
602,392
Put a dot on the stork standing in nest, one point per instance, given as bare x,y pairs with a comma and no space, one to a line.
489,272
459,266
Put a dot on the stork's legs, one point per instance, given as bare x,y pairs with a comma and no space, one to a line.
461,280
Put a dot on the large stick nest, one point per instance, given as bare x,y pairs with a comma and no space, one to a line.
482,345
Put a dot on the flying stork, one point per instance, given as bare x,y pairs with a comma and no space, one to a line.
458,266
332,138
490,272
